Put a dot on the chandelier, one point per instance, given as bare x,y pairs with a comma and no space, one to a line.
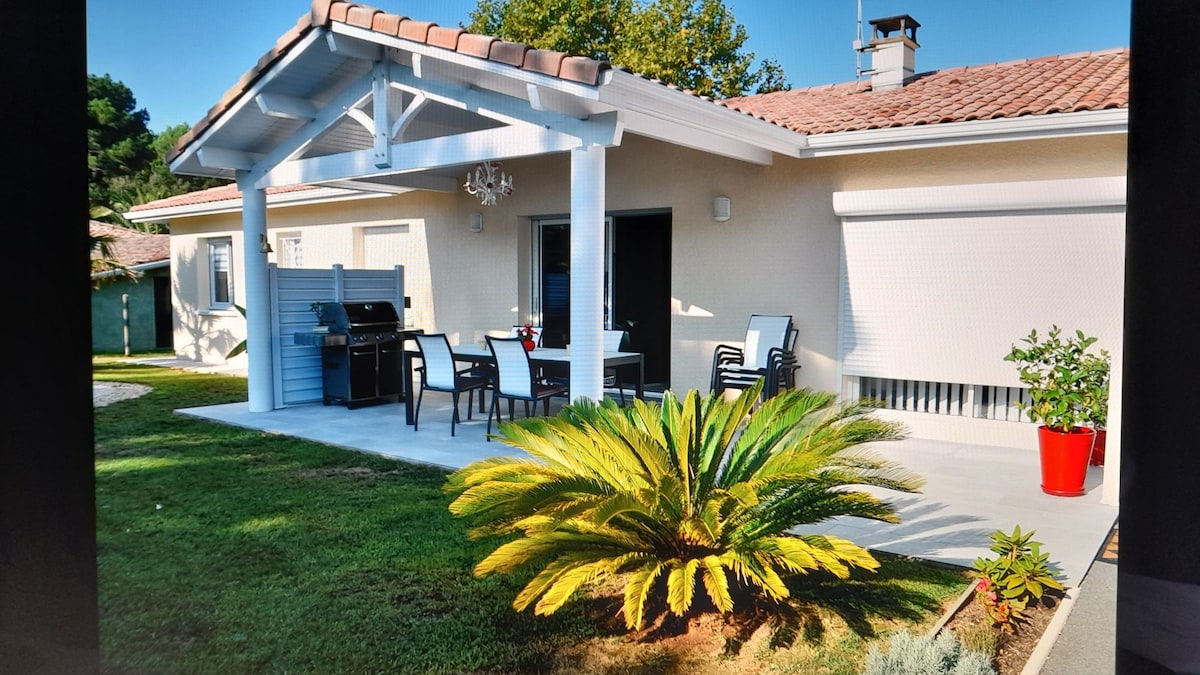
486,186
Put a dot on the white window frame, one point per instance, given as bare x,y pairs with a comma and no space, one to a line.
214,258
289,247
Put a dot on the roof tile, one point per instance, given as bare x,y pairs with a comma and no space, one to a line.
1041,86
545,61
446,38
130,246
512,53
473,44
418,31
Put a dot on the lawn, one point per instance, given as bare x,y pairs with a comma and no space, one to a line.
229,550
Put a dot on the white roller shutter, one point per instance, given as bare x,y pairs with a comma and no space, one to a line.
938,283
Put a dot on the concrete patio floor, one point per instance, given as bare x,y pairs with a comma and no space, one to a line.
970,490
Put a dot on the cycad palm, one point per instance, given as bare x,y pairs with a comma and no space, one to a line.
700,487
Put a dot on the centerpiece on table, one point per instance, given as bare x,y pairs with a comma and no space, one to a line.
527,333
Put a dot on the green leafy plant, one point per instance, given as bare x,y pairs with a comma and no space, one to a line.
1020,574
664,494
910,654
239,348
318,310
1068,385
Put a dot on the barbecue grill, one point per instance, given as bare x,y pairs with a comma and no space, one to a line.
361,353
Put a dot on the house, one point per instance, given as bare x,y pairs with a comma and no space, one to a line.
914,224
132,314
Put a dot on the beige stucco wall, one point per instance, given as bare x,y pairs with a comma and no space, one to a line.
779,253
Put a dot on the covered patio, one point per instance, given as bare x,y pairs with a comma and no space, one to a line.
971,490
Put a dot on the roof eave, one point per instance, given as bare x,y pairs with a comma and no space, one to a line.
651,108
316,196
1009,129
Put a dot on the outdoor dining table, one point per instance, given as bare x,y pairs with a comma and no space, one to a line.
542,356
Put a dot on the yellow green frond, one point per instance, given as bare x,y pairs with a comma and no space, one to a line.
716,583
681,585
637,590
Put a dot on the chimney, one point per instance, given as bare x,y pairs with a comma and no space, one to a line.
893,56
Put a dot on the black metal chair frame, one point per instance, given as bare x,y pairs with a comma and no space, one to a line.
464,380
778,371
538,391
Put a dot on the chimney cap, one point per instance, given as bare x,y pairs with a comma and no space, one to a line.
883,28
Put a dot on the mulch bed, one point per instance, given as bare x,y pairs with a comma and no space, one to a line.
1012,649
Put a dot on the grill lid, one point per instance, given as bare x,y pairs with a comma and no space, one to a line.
353,316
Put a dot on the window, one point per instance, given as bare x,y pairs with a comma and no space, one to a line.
290,253
220,254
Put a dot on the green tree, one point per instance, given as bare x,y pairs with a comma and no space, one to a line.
700,492
119,142
694,44
126,161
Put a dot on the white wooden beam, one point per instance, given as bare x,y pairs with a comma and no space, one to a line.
353,48
431,153
350,98
380,83
490,104
534,93
287,107
419,101
222,158
400,183
362,118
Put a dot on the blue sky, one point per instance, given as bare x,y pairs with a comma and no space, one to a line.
179,56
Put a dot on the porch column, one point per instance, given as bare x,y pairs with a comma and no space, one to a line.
261,389
587,273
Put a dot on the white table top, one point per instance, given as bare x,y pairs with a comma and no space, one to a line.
540,354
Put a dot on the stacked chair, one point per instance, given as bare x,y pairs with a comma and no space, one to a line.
767,354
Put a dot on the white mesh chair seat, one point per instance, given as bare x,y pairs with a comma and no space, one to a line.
438,373
515,379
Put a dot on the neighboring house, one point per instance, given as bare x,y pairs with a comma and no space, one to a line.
915,225
133,314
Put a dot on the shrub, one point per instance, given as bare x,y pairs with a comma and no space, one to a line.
910,654
1018,576
696,488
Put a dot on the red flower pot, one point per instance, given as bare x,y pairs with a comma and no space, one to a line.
1065,459
529,345
1098,449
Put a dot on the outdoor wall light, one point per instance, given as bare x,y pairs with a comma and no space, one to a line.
476,222
721,209
264,245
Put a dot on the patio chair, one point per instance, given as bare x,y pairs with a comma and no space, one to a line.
612,376
438,373
516,380
767,353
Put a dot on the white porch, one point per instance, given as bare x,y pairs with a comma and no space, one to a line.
971,490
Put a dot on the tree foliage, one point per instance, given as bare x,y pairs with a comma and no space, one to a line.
118,139
126,161
694,44
699,493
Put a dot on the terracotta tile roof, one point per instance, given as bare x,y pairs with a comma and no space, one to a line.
563,66
220,193
1055,84
132,247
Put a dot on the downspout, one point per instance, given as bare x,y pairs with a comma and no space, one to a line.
259,347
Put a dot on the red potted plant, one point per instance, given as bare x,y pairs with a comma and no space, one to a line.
527,333
1067,385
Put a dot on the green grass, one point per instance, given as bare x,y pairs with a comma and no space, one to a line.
227,550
